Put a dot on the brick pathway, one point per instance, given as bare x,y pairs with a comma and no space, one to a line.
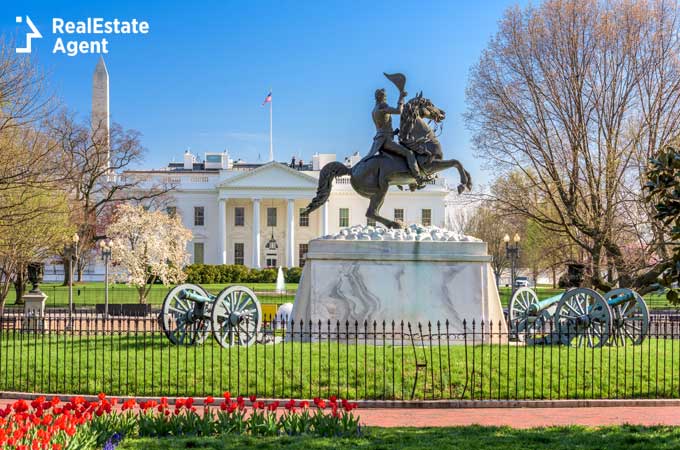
513,417
522,417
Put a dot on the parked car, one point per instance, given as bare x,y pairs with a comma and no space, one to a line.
521,282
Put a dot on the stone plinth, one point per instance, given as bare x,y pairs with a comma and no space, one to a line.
34,311
360,276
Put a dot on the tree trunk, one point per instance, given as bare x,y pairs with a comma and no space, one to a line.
554,277
20,287
597,282
66,273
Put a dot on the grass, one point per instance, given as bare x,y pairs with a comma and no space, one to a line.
144,363
91,293
470,438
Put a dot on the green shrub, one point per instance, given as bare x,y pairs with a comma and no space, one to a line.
231,273
292,274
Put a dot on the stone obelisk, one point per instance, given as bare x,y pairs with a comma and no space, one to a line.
100,106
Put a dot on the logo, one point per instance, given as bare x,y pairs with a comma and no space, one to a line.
29,36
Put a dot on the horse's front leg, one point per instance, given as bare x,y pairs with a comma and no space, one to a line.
440,165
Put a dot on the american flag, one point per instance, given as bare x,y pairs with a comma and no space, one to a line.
267,99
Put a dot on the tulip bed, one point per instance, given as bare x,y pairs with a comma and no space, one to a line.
80,424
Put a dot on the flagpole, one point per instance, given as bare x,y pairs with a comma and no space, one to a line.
271,146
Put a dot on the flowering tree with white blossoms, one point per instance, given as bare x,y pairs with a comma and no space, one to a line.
149,246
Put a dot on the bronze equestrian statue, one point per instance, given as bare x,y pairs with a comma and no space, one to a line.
412,161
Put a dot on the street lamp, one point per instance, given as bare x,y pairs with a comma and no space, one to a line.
512,252
71,252
105,247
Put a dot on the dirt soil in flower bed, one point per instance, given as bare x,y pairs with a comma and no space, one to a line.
468,438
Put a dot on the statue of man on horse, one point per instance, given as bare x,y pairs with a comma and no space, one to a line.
392,163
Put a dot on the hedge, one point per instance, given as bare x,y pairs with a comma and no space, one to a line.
232,273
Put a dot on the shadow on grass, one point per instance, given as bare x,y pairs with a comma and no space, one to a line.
468,438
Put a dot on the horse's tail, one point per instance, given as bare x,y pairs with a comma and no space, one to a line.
329,172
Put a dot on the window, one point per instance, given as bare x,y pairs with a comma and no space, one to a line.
398,214
239,216
370,222
213,158
270,262
199,216
304,218
271,217
426,217
171,211
302,254
238,253
199,251
344,217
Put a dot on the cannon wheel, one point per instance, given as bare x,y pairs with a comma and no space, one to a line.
181,320
583,317
518,314
631,318
236,317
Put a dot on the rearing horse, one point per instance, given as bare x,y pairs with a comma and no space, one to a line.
372,177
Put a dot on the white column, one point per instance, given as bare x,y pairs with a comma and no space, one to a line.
324,219
223,231
290,235
256,233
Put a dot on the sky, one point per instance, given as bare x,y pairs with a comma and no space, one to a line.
198,78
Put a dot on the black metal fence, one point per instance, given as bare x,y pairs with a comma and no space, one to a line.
87,354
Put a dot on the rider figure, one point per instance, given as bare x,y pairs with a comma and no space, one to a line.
383,140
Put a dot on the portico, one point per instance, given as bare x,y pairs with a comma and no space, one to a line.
252,222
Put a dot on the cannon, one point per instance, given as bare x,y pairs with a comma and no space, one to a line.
190,314
579,316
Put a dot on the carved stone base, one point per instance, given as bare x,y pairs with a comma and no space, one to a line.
34,311
414,281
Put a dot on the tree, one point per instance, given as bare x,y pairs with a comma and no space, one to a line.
92,161
149,246
38,236
569,97
486,224
28,160
663,193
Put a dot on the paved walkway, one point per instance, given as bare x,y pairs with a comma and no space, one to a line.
513,417
522,417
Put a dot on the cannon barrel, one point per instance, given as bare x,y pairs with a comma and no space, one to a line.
627,296
195,297
535,308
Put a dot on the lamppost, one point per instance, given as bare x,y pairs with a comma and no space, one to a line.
105,247
512,252
71,252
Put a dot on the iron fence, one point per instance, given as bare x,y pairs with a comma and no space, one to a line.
88,354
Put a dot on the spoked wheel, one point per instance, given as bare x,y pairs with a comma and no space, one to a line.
523,322
236,317
185,322
583,317
631,317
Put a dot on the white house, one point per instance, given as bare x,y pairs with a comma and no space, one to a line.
250,214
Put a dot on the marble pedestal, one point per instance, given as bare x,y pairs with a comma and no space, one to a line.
397,280
34,311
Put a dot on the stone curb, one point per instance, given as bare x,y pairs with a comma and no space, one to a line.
411,404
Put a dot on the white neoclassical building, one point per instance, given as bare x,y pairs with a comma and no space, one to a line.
251,214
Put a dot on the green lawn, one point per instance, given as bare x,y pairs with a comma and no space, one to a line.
146,364
469,438
92,293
